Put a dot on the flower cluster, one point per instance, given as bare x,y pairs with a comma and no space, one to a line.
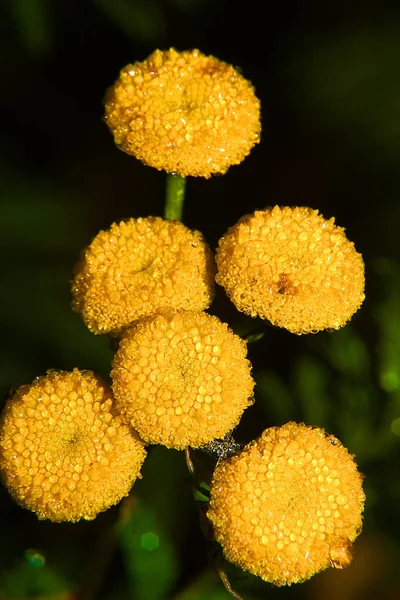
290,503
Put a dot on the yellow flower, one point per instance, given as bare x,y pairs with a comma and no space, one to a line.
182,379
289,505
184,113
63,452
138,268
292,267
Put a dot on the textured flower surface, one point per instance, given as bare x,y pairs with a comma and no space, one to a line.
184,113
138,268
292,267
63,452
289,505
182,379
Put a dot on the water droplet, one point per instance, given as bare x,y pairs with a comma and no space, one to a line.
34,558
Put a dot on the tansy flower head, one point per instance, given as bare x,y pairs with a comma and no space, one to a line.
138,268
63,452
182,379
289,505
184,113
292,267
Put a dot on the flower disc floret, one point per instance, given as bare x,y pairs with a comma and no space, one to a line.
184,113
64,454
289,505
138,268
292,267
182,379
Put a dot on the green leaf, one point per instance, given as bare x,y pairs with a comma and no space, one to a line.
255,337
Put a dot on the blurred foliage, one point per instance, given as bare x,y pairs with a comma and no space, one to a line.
138,20
349,84
148,556
328,80
33,25
25,580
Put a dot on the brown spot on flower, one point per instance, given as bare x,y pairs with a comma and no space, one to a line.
289,505
64,454
184,113
138,268
292,267
284,285
182,379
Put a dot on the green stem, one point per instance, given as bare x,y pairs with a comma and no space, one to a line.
175,197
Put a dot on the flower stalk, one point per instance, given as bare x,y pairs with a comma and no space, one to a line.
175,197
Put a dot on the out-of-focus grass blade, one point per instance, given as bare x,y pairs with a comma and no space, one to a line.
142,21
207,586
28,579
39,218
276,396
149,554
33,25
346,352
311,386
388,317
350,84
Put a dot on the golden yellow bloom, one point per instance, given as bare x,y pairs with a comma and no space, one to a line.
289,505
138,268
292,267
182,379
184,113
63,452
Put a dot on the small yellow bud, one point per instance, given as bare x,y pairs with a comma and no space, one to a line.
289,505
184,113
64,453
182,379
292,267
138,268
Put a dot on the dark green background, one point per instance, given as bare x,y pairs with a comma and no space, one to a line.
328,76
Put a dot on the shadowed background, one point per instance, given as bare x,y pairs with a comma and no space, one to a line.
328,77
